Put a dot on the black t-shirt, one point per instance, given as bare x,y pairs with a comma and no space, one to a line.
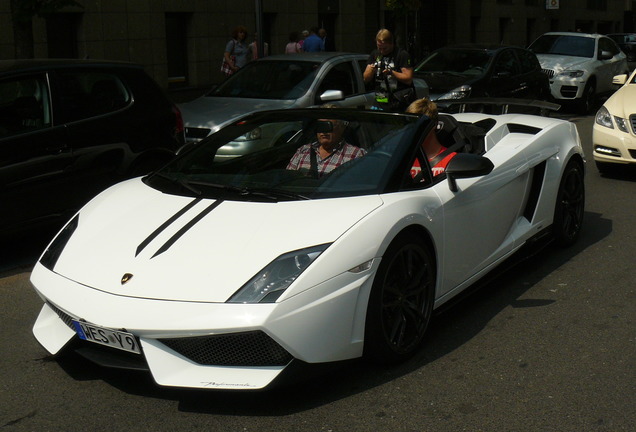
394,60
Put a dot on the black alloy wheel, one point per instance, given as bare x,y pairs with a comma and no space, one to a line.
570,205
401,302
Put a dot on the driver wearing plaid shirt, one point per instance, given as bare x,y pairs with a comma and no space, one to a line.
328,152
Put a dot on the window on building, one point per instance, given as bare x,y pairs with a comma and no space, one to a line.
474,25
554,24
530,30
177,48
503,29
599,5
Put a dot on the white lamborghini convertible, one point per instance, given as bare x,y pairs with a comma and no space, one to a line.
222,273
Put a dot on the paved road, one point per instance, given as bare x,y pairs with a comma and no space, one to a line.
548,346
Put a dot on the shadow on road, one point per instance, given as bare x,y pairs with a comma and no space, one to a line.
19,254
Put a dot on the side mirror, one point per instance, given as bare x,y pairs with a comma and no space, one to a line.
332,95
605,55
466,165
619,79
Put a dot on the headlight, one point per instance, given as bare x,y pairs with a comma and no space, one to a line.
277,276
604,118
458,93
254,134
572,73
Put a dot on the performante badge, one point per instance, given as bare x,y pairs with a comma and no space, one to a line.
126,278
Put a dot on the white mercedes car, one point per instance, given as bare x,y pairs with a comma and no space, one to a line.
613,134
216,273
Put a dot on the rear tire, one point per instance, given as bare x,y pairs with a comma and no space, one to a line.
570,205
401,301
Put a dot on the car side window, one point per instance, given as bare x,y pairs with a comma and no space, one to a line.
24,105
606,44
85,94
506,64
368,86
528,61
340,77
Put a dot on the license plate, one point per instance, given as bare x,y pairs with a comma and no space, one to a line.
103,336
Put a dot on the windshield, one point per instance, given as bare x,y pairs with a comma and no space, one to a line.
266,157
465,62
577,46
274,79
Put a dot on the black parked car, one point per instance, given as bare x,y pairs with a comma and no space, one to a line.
476,71
70,128
627,44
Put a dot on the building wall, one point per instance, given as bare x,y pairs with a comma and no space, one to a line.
519,22
6,31
135,30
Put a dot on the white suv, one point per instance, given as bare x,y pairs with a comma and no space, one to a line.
580,65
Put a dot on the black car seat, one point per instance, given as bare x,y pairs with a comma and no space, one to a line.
463,137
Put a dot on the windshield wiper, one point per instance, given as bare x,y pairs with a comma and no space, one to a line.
278,193
181,182
452,73
270,194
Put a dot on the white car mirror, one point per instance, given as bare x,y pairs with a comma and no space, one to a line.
619,79
332,95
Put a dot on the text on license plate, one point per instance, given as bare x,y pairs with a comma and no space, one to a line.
112,338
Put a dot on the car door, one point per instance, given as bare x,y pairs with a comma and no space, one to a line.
342,76
537,82
34,154
505,79
94,110
481,217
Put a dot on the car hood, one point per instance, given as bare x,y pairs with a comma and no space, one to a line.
621,103
211,112
440,82
560,62
201,257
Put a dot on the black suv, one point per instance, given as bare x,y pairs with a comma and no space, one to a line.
70,128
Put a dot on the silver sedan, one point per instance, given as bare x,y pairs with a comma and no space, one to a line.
280,81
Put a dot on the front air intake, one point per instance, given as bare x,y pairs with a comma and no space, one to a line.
235,349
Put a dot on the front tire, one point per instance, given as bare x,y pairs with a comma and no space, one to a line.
570,205
588,99
401,301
